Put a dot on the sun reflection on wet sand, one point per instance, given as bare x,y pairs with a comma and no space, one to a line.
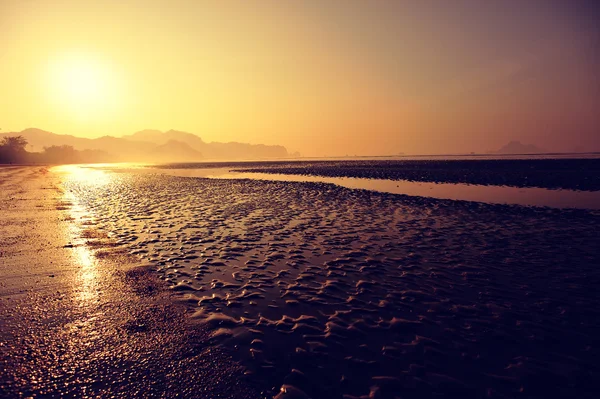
79,173
87,283
88,277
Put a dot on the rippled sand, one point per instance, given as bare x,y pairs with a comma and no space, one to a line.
320,291
79,322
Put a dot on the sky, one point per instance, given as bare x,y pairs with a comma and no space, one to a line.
325,78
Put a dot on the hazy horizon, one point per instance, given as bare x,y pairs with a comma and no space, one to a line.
513,147
321,79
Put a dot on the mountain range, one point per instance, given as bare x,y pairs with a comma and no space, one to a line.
154,146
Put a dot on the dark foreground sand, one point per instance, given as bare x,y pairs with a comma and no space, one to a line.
313,290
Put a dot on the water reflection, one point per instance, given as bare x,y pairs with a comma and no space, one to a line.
80,174
88,275
529,196
99,174
87,280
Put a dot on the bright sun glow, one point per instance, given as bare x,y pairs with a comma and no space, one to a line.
82,86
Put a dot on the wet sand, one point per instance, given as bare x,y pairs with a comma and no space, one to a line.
167,286
79,318
322,291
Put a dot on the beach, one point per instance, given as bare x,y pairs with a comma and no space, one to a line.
166,285
75,323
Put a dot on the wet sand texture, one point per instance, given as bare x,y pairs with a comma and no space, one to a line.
320,291
82,326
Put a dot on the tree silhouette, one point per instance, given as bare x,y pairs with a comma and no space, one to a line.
60,154
12,149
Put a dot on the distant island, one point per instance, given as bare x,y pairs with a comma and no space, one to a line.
516,147
152,146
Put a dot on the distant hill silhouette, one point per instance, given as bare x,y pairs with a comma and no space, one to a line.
152,146
516,147
174,149
215,150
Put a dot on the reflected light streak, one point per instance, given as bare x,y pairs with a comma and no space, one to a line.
87,282
82,174
88,277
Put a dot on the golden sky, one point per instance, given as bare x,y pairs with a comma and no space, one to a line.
320,77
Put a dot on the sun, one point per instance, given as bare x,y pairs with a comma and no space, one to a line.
83,82
82,86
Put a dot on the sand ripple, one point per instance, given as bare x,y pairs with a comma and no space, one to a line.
322,291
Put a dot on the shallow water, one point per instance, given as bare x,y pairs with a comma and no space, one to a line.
465,192
326,291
